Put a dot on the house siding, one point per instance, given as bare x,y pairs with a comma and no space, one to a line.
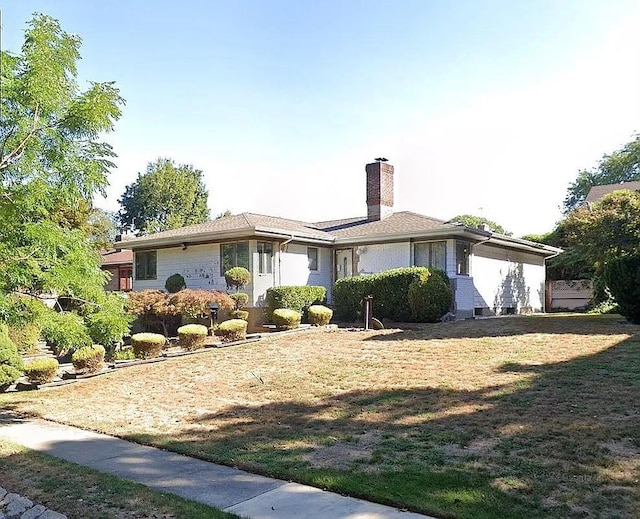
507,280
198,264
294,267
372,259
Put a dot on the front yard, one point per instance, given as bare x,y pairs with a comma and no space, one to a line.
496,418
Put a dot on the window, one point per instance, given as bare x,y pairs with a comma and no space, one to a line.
265,257
430,254
462,258
312,256
146,264
234,255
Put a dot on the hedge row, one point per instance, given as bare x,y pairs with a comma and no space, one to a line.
389,289
296,298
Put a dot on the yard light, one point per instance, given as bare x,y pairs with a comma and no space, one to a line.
213,308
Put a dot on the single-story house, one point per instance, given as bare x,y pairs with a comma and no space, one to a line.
490,273
119,263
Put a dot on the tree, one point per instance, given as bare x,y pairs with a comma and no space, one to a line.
469,220
167,196
622,165
52,163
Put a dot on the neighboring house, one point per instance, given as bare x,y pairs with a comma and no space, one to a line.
596,193
490,273
119,262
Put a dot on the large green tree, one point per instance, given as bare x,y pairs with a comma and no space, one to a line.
469,220
52,162
166,196
622,165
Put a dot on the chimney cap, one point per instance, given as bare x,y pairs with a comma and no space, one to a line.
381,159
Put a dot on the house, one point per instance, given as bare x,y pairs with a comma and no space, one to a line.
596,193
119,263
490,273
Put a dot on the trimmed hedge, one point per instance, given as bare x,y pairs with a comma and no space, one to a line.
293,298
11,365
429,297
231,330
388,288
88,359
175,283
192,336
41,371
147,345
240,299
622,276
286,319
319,315
237,277
239,314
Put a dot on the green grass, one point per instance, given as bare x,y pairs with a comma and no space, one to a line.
79,492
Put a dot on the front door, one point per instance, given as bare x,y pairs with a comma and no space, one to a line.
344,263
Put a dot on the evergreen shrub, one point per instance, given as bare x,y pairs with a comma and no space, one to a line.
41,371
286,319
88,359
192,336
296,298
319,315
232,330
147,345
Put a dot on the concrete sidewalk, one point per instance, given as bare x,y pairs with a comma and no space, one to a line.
232,490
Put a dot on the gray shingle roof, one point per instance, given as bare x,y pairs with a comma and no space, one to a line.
397,223
597,192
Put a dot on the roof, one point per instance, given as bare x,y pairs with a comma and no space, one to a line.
402,225
116,257
597,192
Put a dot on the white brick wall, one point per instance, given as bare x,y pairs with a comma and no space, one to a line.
505,278
376,258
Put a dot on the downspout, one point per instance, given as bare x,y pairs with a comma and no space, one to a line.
282,247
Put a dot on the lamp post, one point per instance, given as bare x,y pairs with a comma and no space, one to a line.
213,309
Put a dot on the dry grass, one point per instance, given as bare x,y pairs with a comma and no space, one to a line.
486,418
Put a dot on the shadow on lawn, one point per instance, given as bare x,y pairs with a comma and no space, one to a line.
507,326
563,440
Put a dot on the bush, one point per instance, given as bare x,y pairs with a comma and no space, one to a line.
319,315
11,365
88,359
622,276
240,299
192,336
153,307
237,277
293,298
286,319
175,283
125,353
65,332
388,288
25,337
429,297
232,330
194,303
147,345
239,314
41,371
110,323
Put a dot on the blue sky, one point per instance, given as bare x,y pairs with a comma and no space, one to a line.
483,107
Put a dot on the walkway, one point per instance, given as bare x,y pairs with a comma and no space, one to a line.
232,490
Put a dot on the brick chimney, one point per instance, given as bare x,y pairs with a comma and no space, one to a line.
379,190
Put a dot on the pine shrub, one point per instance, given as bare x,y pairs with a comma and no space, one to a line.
239,314
41,371
237,277
286,319
88,359
175,283
192,336
232,330
319,315
622,277
147,345
240,299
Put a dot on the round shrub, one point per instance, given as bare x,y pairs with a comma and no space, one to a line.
232,330
319,315
147,345
192,336
429,298
240,299
11,365
239,314
88,359
175,283
286,319
41,371
237,277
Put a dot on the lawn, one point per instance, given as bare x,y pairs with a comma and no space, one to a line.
498,418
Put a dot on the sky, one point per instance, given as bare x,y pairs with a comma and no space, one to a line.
483,107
